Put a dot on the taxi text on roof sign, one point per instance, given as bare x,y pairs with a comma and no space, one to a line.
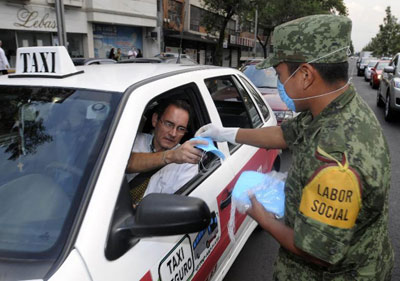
44,62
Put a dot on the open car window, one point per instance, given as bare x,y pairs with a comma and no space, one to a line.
172,178
233,103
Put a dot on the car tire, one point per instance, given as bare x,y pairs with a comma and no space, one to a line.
359,73
379,101
389,113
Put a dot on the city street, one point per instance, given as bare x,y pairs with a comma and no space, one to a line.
255,262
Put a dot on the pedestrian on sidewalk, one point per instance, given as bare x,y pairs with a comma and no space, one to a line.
4,65
111,55
118,54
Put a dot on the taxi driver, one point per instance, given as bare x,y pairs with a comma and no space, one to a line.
158,163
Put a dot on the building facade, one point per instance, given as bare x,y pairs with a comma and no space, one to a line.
183,28
93,26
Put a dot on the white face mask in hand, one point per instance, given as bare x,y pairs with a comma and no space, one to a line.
217,133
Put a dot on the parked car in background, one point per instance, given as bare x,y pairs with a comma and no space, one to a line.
389,89
363,54
363,64
376,73
175,58
141,60
367,71
91,61
250,62
266,82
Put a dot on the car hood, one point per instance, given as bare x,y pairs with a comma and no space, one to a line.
271,95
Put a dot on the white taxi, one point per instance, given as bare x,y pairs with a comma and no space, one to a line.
66,134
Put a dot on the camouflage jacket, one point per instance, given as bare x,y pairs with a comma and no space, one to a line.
346,127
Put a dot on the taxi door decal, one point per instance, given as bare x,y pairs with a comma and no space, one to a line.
262,158
147,277
178,265
203,242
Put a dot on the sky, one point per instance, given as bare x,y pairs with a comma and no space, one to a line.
367,15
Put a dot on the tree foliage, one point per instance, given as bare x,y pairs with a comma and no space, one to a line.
387,41
270,14
216,21
275,12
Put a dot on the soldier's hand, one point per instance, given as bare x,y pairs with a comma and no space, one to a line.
257,211
187,153
218,133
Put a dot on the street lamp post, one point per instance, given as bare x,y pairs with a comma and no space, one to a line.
255,34
61,32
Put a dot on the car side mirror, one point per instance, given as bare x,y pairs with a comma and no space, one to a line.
156,215
389,69
161,214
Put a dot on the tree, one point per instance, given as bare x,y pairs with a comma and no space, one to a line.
387,41
217,18
275,12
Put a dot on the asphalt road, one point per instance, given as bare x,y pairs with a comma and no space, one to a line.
255,262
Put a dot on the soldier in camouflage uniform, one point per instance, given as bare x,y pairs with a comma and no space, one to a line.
336,205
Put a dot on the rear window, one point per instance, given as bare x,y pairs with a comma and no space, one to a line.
262,78
382,65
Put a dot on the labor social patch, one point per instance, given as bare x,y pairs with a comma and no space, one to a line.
333,196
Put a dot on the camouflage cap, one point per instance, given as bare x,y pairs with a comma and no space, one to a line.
309,38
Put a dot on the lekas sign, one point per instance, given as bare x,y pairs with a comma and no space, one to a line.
34,20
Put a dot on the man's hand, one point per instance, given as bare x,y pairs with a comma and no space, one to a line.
186,153
258,212
218,133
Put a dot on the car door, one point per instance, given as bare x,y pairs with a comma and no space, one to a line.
151,258
393,76
235,107
387,78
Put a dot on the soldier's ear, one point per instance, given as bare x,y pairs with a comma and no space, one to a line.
308,75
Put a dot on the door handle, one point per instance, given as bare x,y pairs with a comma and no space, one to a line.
227,201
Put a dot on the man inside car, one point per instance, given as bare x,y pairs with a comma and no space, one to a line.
158,163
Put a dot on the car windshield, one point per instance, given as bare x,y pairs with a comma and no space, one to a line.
261,78
372,63
50,139
382,65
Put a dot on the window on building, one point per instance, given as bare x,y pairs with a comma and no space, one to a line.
231,27
247,26
34,38
195,18
175,9
75,45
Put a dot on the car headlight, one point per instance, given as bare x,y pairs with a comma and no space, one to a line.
283,115
380,76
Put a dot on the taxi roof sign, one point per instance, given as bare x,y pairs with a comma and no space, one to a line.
44,62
